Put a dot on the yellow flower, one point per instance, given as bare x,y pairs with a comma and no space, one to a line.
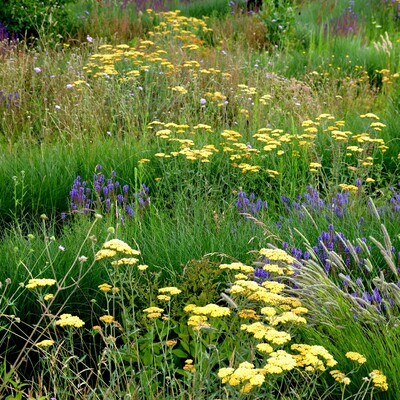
264,348
198,322
189,308
354,356
282,359
153,309
125,261
45,343
248,313
105,287
340,377
104,254
379,380
34,283
48,297
108,319
268,311
163,297
142,267
277,255
70,320
213,310
154,315
223,373
171,290
171,343
369,115
237,266
120,247
189,366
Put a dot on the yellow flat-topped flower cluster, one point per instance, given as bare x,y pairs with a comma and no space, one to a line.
66,320
117,247
40,282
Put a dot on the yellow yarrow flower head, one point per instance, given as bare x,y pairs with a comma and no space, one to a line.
105,287
354,356
340,377
198,322
213,310
70,320
282,359
108,319
170,290
163,297
114,246
379,380
153,309
48,297
34,283
45,343
125,261
248,314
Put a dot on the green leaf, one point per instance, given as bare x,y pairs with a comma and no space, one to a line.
179,353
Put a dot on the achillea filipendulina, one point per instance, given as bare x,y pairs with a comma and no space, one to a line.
105,287
107,319
125,261
170,290
198,322
153,312
45,343
69,320
312,358
248,314
114,246
245,375
281,359
40,282
237,266
262,331
277,255
354,356
379,380
213,310
340,377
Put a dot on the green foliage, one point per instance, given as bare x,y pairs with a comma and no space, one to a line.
278,17
30,17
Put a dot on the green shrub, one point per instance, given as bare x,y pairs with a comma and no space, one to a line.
278,17
31,18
